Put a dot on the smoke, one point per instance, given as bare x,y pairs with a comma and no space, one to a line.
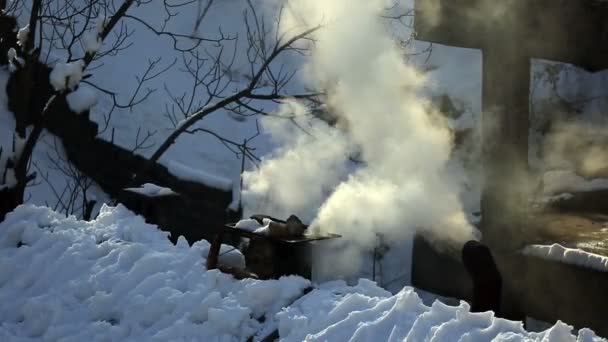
402,185
436,11
431,10
577,146
302,173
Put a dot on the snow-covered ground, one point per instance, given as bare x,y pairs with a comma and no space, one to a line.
117,278
204,158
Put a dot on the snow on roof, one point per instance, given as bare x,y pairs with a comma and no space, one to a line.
187,173
119,278
152,190
557,252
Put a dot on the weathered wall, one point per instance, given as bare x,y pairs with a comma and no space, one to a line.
532,286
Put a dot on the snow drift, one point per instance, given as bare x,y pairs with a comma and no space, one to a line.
119,279
336,312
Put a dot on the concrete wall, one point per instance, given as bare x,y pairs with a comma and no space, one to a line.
532,286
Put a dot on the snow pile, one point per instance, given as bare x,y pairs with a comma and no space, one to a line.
187,173
152,190
336,312
117,278
66,75
562,181
82,99
557,252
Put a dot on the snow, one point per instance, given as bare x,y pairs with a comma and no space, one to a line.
92,42
82,99
458,74
253,226
12,57
22,35
66,75
563,181
248,224
11,54
152,190
336,312
10,180
573,256
100,24
119,278
556,198
187,173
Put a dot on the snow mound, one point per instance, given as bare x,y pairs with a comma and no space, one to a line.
117,278
336,312
573,256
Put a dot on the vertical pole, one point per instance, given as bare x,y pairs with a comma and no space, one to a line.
505,129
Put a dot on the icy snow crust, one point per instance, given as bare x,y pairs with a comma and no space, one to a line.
574,256
119,279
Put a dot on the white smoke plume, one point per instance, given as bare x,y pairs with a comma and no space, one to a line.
403,185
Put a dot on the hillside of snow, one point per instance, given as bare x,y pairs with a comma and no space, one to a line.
117,278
